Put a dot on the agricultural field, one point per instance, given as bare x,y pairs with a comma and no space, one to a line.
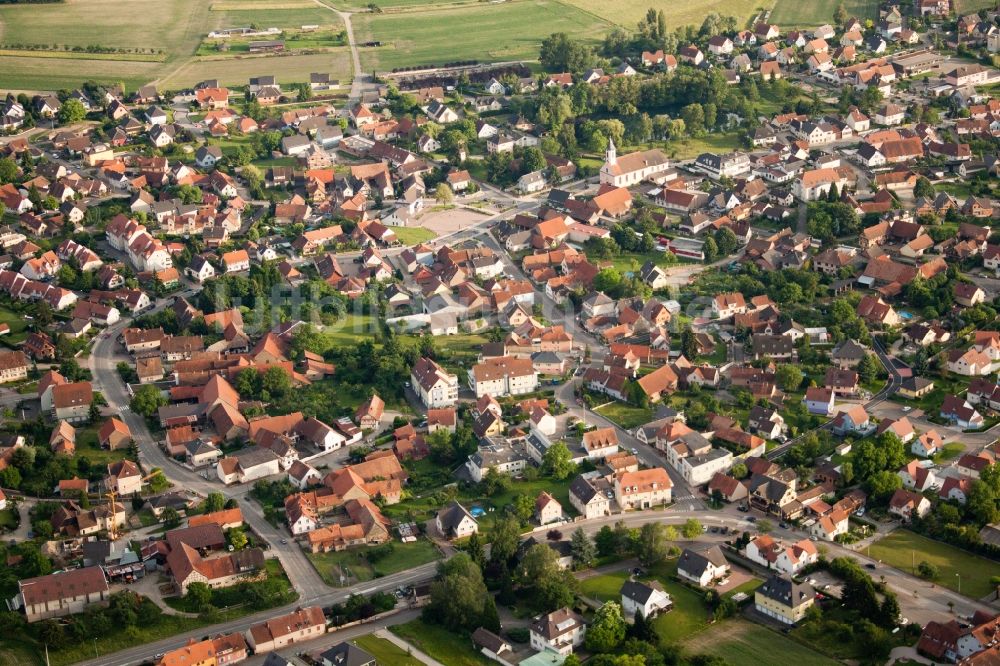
394,5
958,568
678,13
509,31
970,6
741,643
110,24
812,13
236,71
270,14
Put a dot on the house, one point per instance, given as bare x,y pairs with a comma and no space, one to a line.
927,444
703,566
188,566
64,593
559,631
503,376
765,551
600,443
906,504
491,645
304,624
124,477
71,402
960,413
455,522
831,525
221,650
917,477
435,386
588,498
369,413
207,156
853,421
643,489
784,600
819,401
646,599
13,366
344,654
729,304
114,434
547,509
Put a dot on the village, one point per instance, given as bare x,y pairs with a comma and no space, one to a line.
681,349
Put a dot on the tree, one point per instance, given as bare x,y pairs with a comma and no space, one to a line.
215,502
607,630
170,517
868,369
546,583
653,545
238,538
927,570
71,111
276,382
557,462
764,526
147,400
739,470
689,344
923,188
458,596
840,14
443,194
559,53
200,594
789,376
524,507
582,548
691,528
8,170
881,485
505,537
693,116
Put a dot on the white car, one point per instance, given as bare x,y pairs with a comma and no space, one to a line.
907,408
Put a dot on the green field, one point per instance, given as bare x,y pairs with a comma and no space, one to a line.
359,569
970,6
902,547
626,416
414,235
509,31
385,652
18,326
742,643
681,12
439,643
814,13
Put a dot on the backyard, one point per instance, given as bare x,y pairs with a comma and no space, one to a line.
626,416
359,568
440,644
385,652
742,643
958,569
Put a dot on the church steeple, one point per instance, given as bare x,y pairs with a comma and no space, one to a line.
612,155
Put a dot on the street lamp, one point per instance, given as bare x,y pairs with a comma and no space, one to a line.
959,576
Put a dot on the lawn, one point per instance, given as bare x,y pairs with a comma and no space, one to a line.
15,652
814,13
903,548
485,32
88,447
688,616
949,451
716,142
359,569
17,324
386,652
742,643
439,643
8,519
631,262
972,6
350,329
626,416
679,13
413,235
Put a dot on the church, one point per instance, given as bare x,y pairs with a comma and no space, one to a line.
635,167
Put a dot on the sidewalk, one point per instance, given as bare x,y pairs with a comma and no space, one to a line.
400,643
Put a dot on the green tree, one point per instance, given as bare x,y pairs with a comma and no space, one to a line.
691,528
557,462
170,517
653,545
881,485
443,194
276,382
215,502
840,14
547,585
458,595
927,570
789,376
868,369
607,631
147,400
237,538
504,539
764,526
200,595
71,111
8,170
582,548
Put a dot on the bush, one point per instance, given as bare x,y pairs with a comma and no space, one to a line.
519,634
